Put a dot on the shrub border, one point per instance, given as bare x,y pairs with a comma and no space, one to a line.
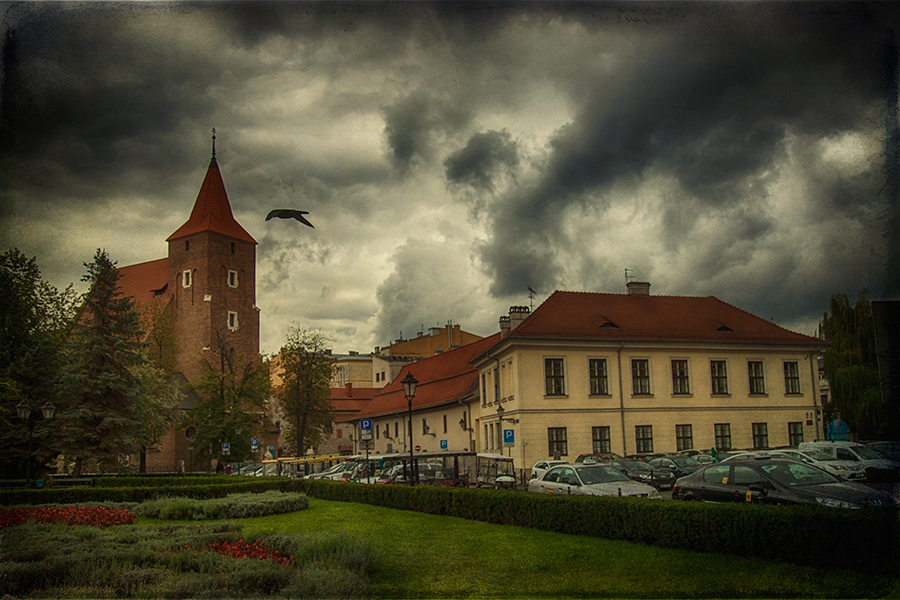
866,540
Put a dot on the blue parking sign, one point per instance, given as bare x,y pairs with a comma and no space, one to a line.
509,436
365,424
443,444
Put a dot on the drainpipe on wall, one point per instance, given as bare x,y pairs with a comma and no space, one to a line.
622,401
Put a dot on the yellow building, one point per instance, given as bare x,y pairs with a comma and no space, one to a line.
634,373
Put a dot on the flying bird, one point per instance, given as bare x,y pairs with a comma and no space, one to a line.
289,213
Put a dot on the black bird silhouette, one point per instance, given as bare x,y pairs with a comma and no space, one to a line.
289,213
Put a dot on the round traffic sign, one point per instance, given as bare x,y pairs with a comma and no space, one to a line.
418,448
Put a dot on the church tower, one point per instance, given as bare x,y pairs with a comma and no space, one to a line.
212,278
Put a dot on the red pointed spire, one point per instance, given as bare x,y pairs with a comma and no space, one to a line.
212,211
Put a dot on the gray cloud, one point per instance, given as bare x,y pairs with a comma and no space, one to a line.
454,154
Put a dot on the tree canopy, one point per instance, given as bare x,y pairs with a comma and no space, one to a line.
34,317
305,392
851,366
231,400
101,418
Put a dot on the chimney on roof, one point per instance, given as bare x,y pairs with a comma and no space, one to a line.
504,326
349,390
517,314
638,288
433,331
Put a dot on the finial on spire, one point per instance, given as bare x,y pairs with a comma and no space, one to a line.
214,142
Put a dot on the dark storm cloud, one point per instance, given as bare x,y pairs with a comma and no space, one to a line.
476,163
713,107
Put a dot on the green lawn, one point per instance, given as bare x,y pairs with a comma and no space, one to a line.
425,556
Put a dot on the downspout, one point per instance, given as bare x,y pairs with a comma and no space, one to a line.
814,370
622,401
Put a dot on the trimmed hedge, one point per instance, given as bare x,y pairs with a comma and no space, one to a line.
137,490
833,538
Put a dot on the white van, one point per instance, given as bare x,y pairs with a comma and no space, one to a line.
876,467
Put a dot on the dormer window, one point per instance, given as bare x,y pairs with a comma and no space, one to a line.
186,279
232,279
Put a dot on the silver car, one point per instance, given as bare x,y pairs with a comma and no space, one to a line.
590,480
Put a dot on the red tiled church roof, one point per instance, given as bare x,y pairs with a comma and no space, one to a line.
443,378
635,317
145,281
212,211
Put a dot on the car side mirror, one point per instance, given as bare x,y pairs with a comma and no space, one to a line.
758,488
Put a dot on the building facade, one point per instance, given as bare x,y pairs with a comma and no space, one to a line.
206,287
635,374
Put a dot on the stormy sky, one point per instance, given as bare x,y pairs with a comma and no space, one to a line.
452,155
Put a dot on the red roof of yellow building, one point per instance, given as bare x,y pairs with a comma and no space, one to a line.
212,211
643,317
443,378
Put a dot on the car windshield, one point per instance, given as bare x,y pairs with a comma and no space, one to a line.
819,456
684,461
600,474
797,474
633,465
867,453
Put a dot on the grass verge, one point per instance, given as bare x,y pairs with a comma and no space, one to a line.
426,556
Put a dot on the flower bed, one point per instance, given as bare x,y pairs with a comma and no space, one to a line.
241,549
96,516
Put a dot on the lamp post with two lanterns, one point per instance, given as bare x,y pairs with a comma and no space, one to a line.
23,411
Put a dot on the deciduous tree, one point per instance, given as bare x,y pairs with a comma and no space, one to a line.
306,387
34,317
232,397
851,366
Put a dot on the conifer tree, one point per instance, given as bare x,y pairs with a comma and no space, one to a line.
305,393
101,416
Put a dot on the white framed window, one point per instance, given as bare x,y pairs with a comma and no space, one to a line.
232,279
756,374
718,372
232,320
598,376
681,380
640,376
791,377
186,279
555,376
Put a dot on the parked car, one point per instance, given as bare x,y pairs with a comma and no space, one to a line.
679,466
889,450
597,457
638,470
590,480
646,457
543,466
876,467
771,480
844,469
334,470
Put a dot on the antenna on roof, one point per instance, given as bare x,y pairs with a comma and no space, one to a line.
531,295
214,142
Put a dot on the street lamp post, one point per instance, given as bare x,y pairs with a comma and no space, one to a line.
24,413
409,388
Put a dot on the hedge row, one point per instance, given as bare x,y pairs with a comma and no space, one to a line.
200,488
834,538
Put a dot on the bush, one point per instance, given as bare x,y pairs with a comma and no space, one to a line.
856,539
234,506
